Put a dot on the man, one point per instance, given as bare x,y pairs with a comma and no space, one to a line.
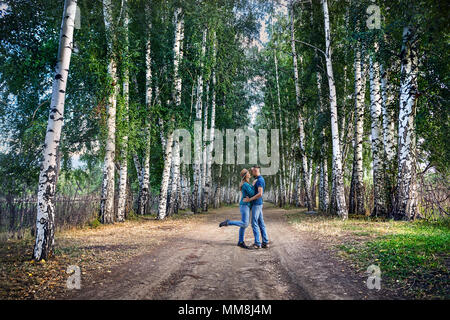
257,213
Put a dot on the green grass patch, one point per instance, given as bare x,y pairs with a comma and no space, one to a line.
412,255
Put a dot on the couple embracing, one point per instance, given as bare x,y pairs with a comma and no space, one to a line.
251,200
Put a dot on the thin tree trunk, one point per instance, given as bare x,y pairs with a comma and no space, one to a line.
107,194
45,228
281,186
178,58
121,204
212,127
406,201
145,187
162,210
388,135
173,204
198,117
204,149
379,187
338,179
139,172
323,186
218,193
304,160
356,201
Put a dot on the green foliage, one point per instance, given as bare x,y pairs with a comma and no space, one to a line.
94,223
132,216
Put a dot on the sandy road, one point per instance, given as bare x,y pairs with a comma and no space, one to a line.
204,262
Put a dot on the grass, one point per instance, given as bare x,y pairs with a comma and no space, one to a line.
412,256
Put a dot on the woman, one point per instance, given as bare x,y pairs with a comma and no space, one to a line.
247,191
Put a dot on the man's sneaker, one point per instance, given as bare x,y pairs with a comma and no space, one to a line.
255,246
265,245
243,245
223,223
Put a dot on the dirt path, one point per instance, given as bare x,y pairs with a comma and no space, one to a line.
205,263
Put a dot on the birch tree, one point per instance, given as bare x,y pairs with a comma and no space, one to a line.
304,161
379,190
338,179
121,203
107,192
356,201
198,117
323,171
162,208
212,125
387,110
178,58
282,189
406,202
204,149
45,218
145,171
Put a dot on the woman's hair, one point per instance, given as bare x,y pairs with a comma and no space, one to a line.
243,175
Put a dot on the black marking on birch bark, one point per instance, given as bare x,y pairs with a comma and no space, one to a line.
62,91
54,109
58,76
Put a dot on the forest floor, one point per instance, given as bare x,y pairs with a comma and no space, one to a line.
189,257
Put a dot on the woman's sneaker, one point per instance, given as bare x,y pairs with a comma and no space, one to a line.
243,245
224,223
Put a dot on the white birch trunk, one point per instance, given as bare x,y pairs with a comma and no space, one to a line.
183,188
356,203
218,193
139,170
338,179
198,117
323,186
205,151
282,189
324,197
379,187
178,58
406,202
387,110
145,186
304,161
121,203
212,127
173,205
388,116
162,209
45,229
281,186
107,194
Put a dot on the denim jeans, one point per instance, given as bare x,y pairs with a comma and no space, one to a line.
245,213
258,223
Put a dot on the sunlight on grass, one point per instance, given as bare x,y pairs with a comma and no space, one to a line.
414,255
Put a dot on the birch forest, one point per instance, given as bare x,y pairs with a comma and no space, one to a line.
98,100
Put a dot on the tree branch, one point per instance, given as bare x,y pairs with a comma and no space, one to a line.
310,45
